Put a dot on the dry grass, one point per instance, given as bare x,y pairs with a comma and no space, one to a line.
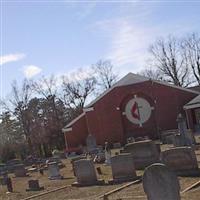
133,192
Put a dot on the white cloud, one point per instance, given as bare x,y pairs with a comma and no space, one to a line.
130,35
77,74
11,58
31,70
128,43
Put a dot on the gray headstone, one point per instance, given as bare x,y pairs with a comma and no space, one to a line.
76,159
182,160
85,172
91,143
186,139
107,157
53,170
34,185
123,168
144,153
117,145
160,183
167,136
19,170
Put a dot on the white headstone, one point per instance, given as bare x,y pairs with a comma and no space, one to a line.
186,139
91,143
54,171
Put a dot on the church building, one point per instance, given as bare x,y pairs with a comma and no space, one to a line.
135,106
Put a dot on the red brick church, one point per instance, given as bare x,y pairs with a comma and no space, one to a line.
135,106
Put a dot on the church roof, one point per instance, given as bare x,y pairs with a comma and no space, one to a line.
195,88
194,103
131,79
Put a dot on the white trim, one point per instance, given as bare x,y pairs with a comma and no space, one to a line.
66,130
136,79
99,97
88,109
129,79
186,107
74,120
174,86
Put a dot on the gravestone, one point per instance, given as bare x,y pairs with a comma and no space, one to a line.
76,159
130,140
11,164
186,137
91,143
182,160
160,183
144,153
53,170
85,173
107,153
3,179
117,145
19,170
167,136
123,168
137,139
34,185
9,184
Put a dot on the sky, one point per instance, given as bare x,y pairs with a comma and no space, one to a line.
59,37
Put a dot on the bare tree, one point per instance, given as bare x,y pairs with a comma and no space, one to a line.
19,102
105,74
168,58
47,87
152,74
191,48
77,90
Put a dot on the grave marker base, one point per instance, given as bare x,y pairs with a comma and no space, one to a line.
98,182
55,177
35,189
122,180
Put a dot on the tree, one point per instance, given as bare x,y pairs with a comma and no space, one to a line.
168,58
152,74
77,90
10,129
19,101
105,74
191,48
11,137
47,88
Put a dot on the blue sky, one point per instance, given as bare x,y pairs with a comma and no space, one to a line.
59,37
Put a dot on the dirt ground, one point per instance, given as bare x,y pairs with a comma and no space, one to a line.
133,192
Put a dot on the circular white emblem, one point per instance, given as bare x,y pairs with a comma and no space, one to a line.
138,110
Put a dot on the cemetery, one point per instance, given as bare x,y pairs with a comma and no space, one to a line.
99,100
132,159
172,173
